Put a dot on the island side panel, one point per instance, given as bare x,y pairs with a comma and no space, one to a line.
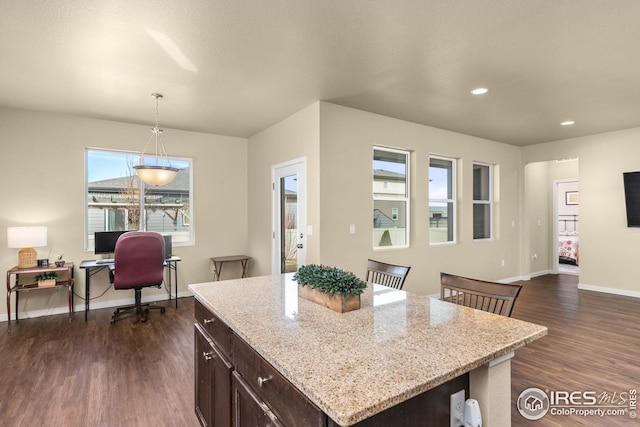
431,408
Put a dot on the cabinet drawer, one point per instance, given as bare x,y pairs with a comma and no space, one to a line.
218,330
249,409
282,397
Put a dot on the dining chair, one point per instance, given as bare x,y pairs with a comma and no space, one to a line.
498,298
382,273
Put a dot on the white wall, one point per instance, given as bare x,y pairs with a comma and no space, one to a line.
538,237
608,252
294,137
43,175
347,138
338,143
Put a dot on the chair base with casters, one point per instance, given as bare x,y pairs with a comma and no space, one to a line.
139,308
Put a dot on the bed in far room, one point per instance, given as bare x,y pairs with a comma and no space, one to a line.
568,240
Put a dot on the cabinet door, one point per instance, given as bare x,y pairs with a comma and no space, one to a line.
249,409
212,382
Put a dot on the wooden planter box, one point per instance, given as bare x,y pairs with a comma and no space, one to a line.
337,302
46,283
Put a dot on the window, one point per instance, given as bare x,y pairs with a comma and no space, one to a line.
114,203
442,199
482,200
390,197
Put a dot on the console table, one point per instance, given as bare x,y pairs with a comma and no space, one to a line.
18,287
93,266
219,261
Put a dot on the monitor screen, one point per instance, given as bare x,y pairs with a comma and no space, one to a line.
167,246
105,241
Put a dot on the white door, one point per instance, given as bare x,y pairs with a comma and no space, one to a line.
289,220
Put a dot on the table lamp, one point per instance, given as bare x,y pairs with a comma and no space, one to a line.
27,238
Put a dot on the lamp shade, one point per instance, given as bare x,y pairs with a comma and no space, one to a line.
26,237
156,175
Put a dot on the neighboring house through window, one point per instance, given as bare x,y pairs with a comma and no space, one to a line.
442,199
482,200
390,197
114,203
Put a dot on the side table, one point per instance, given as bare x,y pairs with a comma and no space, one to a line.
18,287
219,261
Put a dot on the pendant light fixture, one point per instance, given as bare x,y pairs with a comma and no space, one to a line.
160,173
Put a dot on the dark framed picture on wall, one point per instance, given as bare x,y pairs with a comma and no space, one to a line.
571,197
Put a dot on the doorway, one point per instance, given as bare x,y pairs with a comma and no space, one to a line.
566,215
289,220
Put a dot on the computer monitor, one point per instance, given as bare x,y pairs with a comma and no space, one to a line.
167,246
105,241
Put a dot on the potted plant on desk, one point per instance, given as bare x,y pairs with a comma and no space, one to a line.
332,287
46,280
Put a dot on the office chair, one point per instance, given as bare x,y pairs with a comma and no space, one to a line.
390,275
138,263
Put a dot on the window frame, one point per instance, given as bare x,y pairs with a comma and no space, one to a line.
483,202
141,205
452,200
405,199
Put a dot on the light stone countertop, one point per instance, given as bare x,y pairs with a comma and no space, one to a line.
357,364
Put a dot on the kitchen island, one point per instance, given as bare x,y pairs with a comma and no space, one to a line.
353,366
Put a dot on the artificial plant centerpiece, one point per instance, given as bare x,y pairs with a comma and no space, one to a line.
332,287
46,279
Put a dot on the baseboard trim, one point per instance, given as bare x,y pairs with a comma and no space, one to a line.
614,291
79,308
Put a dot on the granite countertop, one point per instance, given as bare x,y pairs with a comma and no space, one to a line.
356,364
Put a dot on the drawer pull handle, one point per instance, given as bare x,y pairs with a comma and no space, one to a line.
207,321
262,381
207,355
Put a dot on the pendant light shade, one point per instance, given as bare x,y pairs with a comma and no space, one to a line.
160,173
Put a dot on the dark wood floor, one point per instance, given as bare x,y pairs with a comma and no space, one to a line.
53,373
593,345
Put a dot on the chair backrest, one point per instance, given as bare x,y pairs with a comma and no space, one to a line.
498,298
138,260
390,275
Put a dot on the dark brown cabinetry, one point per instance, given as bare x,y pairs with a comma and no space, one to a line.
213,382
235,386
288,404
249,409
212,370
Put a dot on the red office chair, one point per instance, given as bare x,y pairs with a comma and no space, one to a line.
138,263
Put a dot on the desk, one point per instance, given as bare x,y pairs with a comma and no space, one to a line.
91,267
18,287
219,261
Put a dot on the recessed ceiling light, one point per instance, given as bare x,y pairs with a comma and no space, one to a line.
567,123
480,91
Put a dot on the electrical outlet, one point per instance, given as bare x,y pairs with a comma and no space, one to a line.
456,412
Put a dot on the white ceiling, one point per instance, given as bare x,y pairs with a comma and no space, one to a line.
236,67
